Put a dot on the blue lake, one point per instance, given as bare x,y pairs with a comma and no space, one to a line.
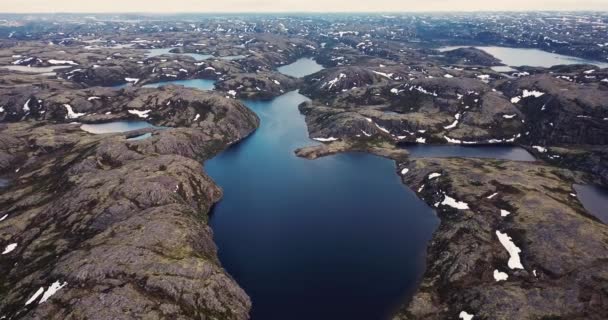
334,238
302,67
517,57
201,84
491,152
115,126
159,52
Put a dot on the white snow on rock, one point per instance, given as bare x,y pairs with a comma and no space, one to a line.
9,248
540,149
504,213
1,109
333,82
4,217
454,124
465,316
232,93
132,80
35,296
421,140
52,290
509,116
507,242
276,82
71,114
449,201
515,99
434,175
139,113
70,62
93,98
447,75
326,139
382,128
26,106
500,276
197,117
532,93
386,75
405,171
492,195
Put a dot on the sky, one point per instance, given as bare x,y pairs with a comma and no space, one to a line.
171,6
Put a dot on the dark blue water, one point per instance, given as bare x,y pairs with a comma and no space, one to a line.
301,68
202,84
334,238
594,199
490,152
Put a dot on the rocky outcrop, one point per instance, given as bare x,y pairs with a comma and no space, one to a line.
262,85
98,226
470,56
514,243
561,112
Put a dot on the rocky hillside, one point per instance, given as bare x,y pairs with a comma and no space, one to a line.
117,226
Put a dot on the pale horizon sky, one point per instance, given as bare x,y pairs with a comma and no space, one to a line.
202,6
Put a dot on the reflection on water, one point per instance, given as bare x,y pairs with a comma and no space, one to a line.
594,199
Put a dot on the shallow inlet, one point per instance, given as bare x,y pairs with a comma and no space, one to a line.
594,199
517,57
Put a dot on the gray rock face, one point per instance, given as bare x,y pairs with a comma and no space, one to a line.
117,226
562,249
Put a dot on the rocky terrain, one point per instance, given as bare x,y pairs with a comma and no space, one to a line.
117,226
87,220
514,243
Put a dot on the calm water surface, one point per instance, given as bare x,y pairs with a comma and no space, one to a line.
594,199
159,52
302,67
115,126
335,238
517,57
491,152
202,84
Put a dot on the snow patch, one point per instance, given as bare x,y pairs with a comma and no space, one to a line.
139,113
71,114
9,248
449,201
507,242
326,139
465,316
434,175
500,276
